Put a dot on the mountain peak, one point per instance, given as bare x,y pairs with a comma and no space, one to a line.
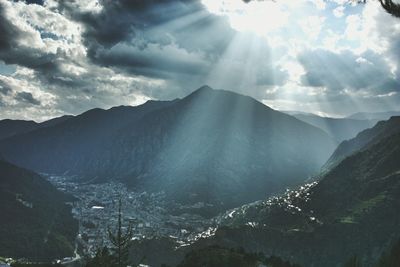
205,88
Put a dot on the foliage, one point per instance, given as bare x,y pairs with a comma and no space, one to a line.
392,257
103,258
353,262
215,256
35,265
391,7
120,241
35,223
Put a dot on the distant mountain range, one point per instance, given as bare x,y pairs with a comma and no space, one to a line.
344,128
374,115
351,211
10,128
35,222
364,140
339,128
212,146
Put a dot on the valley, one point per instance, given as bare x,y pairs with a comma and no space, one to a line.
151,215
181,187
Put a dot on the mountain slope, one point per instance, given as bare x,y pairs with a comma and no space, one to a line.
35,223
72,145
339,128
353,210
9,128
211,146
217,145
13,127
364,139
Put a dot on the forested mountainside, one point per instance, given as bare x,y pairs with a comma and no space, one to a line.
35,222
352,210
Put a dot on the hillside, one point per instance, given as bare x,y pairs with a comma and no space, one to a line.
353,210
35,223
364,140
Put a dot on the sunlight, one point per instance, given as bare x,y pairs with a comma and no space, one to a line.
260,17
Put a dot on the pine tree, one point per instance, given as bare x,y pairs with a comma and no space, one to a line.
102,259
353,262
391,7
120,241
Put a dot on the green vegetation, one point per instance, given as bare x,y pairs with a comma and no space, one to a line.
35,224
391,258
103,258
215,256
35,265
353,262
363,207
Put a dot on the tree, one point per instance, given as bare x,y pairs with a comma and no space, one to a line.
353,262
392,257
103,258
391,7
120,241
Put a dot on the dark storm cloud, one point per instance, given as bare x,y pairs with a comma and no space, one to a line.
28,57
124,35
8,32
345,70
119,20
27,98
152,61
135,37
37,2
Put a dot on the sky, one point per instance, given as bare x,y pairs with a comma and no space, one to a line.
329,57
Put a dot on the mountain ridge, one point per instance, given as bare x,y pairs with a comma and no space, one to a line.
211,139
367,137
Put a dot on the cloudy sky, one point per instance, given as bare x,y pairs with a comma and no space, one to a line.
328,57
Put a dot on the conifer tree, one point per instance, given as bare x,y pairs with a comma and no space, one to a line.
120,241
391,7
353,262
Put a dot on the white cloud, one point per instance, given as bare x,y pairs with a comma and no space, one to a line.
176,56
339,11
312,26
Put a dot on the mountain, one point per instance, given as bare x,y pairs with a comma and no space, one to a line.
339,128
13,127
212,146
351,211
374,115
54,121
35,221
364,140
10,128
